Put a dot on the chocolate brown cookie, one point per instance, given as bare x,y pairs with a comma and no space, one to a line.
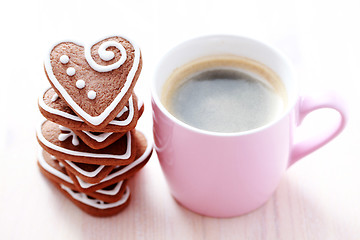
95,80
90,173
119,173
52,169
55,109
64,144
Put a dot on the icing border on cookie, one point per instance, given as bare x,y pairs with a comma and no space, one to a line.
67,179
52,170
147,152
111,192
99,138
126,155
124,110
95,203
125,122
83,172
94,120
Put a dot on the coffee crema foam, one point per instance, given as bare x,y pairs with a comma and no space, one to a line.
224,94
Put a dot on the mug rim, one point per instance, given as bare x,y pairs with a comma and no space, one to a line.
156,99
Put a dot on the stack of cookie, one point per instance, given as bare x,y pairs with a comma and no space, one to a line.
90,147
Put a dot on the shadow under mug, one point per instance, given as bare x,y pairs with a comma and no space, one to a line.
230,174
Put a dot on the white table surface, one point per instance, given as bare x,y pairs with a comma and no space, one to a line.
318,198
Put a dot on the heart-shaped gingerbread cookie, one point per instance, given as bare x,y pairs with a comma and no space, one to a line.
95,80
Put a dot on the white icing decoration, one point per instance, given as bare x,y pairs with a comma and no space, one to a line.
63,136
61,165
122,170
52,170
64,59
106,56
97,120
49,109
67,179
91,94
80,84
83,172
95,203
124,110
126,155
99,138
54,97
70,71
112,192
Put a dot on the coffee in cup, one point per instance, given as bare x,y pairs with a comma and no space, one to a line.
225,94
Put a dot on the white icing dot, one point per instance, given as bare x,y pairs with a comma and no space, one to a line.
91,94
64,59
106,55
80,84
70,71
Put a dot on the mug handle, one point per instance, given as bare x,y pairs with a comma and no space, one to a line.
306,105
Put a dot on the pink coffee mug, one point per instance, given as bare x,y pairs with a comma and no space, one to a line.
229,174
